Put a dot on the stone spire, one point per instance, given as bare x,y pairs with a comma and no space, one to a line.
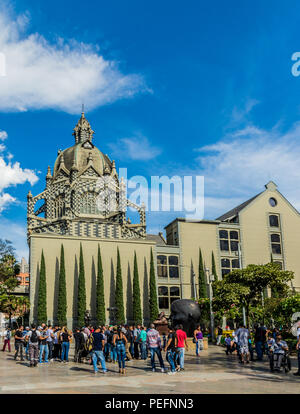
83,131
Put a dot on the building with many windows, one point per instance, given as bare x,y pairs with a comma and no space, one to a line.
84,203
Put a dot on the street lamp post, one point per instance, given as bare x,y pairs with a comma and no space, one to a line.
210,279
241,266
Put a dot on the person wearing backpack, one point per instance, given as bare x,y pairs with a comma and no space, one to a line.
44,350
33,340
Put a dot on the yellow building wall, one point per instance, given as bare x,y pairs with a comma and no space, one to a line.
255,232
193,236
51,246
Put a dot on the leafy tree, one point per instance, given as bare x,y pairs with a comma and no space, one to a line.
136,297
153,306
286,308
62,291
119,293
202,284
42,293
100,301
8,264
243,287
81,302
213,266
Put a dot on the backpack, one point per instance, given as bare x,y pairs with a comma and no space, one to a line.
34,337
89,344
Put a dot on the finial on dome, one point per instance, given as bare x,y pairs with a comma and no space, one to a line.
29,195
83,131
49,175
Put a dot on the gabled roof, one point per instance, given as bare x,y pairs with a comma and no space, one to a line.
235,211
157,238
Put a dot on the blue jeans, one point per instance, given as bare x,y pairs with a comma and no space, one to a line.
143,350
171,355
98,356
121,352
199,346
65,351
43,349
131,349
156,351
181,357
113,352
259,350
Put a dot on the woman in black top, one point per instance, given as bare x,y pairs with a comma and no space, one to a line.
120,340
171,350
65,338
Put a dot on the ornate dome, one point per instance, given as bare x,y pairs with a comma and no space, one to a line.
79,155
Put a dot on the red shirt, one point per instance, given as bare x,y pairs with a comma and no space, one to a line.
181,336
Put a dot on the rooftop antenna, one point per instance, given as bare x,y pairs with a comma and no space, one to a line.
82,108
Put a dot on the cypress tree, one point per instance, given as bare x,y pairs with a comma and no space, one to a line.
152,291
120,318
202,284
62,291
213,266
136,297
81,301
42,293
100,302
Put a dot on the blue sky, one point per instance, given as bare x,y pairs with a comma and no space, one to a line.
193,88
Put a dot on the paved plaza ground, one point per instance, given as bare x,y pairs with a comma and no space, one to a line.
212,372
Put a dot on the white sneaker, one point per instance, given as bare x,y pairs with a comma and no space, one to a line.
171,373
153,369
162,370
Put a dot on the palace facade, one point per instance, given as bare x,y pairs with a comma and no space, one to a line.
84,202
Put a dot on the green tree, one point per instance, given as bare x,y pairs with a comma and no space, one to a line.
42,293
286,308
136,297
8,264
213,266
153,306
243,287
100,301
81,301
62,291
120,317
202,284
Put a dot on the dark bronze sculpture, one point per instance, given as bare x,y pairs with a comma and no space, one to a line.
187,313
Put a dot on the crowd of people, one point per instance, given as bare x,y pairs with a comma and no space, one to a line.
243,342
100,345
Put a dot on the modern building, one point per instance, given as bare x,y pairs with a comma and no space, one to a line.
84,203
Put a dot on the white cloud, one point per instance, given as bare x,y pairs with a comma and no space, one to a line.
12,174
237,167
3,135
41,75
16,233
134,148
5,200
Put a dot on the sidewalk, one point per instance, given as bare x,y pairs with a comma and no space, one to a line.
212,372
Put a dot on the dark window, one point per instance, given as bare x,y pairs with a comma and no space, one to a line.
234,235
163,291
224,245
225,272
162,271
273,202
173,260
225,263
274,221
234,246
163,303
223,234
276,248
235,264
162,260
173,271
174,291
275,238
